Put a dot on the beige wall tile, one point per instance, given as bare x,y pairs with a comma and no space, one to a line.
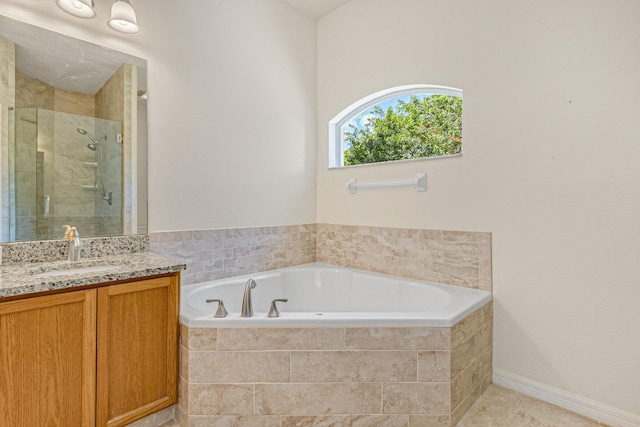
430,421
461,386
353,366
201,339
235,421
221,253
347,421
462,330
313,399
183,395
184,332
416,398
452,257
212,399
398,338
238,367
280,338
434,366
470,349
184,362
469,400
74,102
31,92
181,417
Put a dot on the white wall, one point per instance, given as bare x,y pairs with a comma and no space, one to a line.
551,147
231,107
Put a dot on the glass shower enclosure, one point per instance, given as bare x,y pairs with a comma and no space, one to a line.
64,169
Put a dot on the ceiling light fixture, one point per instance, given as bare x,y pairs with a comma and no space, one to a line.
79,8
123,18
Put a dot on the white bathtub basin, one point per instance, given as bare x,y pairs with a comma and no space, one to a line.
331,296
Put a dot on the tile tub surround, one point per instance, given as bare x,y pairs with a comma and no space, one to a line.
334,376
452,257
229,252
460,258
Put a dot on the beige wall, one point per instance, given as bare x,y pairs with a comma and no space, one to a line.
549,166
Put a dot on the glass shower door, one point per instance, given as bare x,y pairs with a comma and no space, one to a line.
68,170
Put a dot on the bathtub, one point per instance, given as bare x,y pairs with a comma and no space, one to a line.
327,295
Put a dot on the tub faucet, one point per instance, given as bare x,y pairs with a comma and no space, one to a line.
247,306
75,244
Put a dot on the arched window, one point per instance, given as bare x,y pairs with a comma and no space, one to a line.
400,123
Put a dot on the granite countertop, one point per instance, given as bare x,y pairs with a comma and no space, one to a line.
26,278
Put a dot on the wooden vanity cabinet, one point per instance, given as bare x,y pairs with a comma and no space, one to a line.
104,357
137,350
48,360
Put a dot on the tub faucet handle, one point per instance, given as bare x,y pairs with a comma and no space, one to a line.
273,311
221,311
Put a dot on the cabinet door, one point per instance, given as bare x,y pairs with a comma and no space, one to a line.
47,360
137,349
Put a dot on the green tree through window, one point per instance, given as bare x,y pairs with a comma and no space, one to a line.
423,125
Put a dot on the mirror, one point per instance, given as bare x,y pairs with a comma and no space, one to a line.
72,136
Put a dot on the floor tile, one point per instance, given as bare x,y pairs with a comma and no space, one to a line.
499,407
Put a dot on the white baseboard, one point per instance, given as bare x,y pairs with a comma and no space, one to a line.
572,402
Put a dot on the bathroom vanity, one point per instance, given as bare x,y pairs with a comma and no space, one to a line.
89,343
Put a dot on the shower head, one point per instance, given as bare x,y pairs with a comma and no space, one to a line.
84,132
93,145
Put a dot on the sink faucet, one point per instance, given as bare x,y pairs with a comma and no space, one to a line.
247,306
75,244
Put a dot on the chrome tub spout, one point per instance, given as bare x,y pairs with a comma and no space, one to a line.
247,306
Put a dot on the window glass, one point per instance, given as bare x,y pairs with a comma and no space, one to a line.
399,124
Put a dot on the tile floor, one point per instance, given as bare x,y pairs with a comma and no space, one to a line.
500,407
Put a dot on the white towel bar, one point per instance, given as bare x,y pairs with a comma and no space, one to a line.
420,183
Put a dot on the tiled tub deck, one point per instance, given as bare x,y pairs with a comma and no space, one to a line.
286,377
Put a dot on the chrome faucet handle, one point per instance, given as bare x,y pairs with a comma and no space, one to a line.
273,311
221,311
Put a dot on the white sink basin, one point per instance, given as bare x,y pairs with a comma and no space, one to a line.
72,271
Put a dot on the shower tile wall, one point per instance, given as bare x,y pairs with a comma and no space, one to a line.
68,178
74,204
24,217
7,100
32,93
113,102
